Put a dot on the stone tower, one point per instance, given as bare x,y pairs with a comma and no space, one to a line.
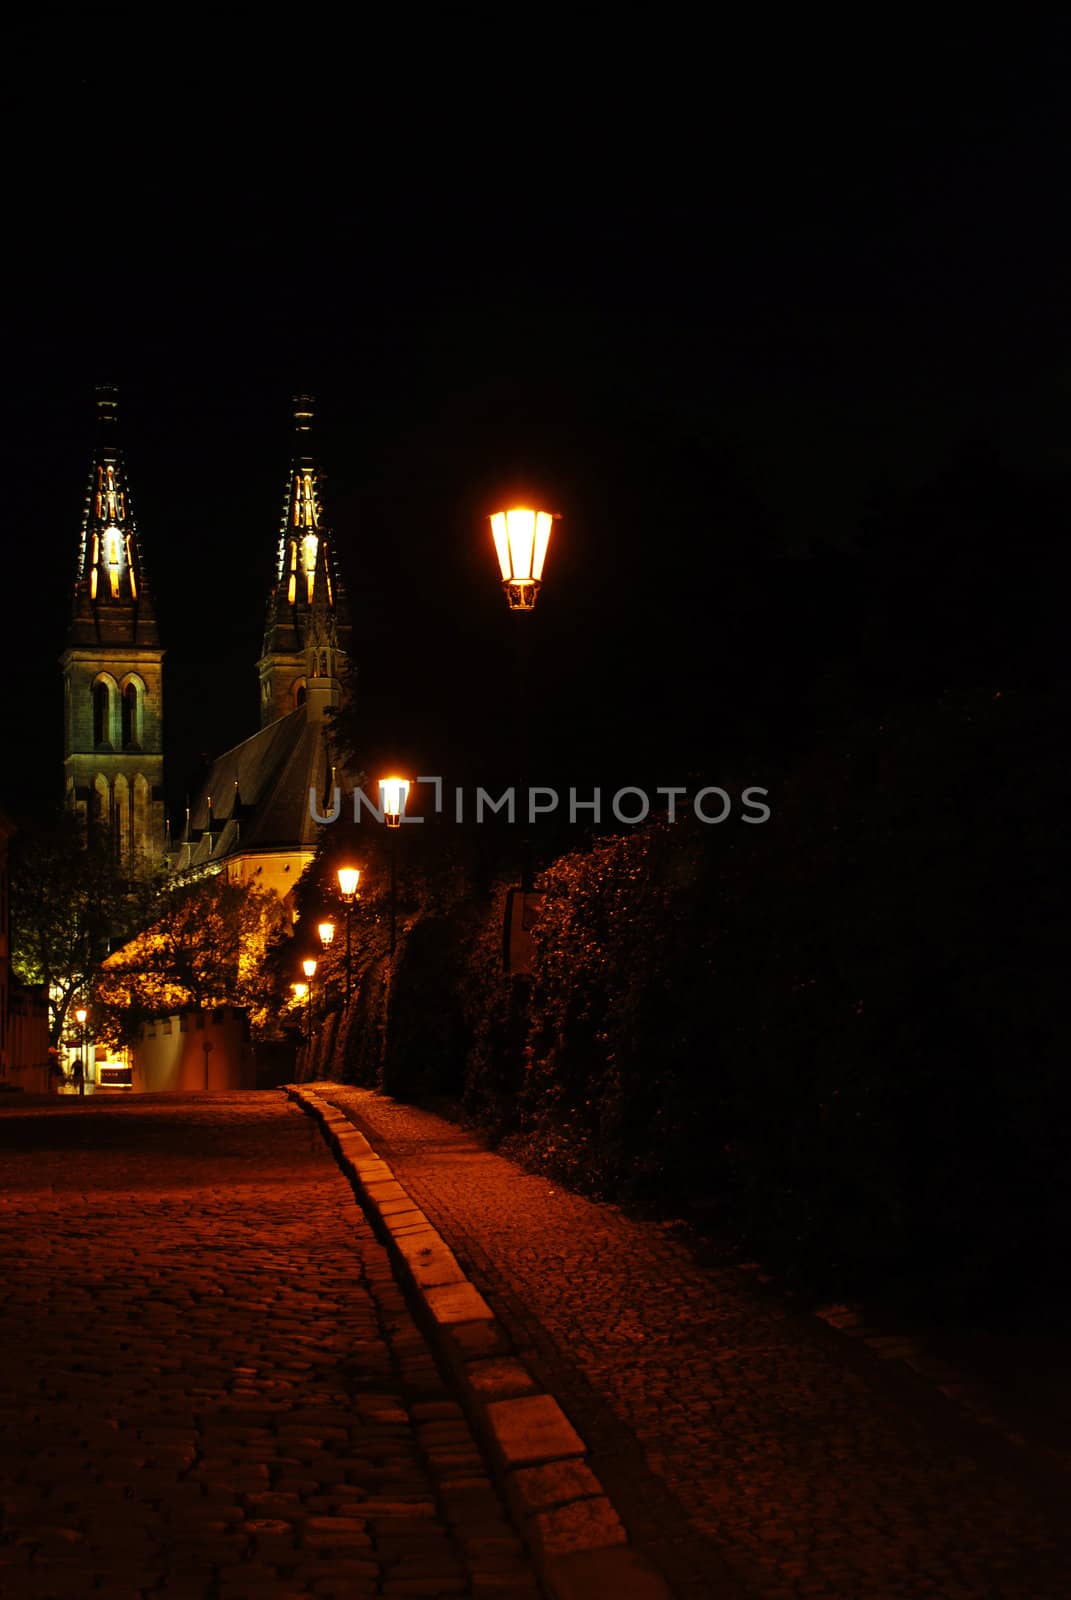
113,667
306,635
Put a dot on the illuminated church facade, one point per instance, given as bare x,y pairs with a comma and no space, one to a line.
251,817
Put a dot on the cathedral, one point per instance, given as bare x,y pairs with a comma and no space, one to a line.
251,817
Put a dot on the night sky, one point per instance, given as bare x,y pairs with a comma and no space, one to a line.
753,325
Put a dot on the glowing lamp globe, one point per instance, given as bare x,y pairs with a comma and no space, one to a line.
308,966
300,990
348,879
326,930
393,793
521,538
80,1016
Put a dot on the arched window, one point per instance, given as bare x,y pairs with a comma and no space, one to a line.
132,708
299,692
105,693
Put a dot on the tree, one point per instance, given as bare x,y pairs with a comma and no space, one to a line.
70,900
207,948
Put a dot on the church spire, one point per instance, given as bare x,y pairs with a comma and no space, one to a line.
112,603
307,630
113,665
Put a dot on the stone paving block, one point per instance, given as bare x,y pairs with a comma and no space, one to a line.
384,1189
532,1429
581,1525
499,1378
435,1269
534,1489
457,1303
469,1341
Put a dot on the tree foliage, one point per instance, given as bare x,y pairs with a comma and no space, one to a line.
70,901
209,946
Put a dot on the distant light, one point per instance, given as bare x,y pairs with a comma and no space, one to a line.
80,1016
300,990
326,930
308,966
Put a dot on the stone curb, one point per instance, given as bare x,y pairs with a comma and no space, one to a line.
579,1547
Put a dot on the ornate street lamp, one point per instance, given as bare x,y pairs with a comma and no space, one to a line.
393,793
521,538
326,931
348,879
80,1017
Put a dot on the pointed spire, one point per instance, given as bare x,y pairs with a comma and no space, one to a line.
307,627
112,603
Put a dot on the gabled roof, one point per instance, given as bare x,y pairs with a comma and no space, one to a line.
256,796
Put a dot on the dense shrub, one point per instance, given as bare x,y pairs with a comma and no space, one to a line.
836,1035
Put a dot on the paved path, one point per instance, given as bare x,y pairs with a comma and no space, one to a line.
751,1450
211,1385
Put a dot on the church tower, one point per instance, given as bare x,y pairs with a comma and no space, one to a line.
113,666
306,636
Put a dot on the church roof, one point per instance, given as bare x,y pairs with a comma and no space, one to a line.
256,796
112,602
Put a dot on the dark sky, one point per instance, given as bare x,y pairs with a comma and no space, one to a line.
723,311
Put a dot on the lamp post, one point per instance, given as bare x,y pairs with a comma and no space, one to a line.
80,1017
326,933
393,793
348,879
308,967
300,992
521,536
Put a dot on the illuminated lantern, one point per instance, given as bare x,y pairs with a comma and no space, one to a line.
326,930
308,966
521,537
348,879
393,793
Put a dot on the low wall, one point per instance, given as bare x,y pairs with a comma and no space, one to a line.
195,1050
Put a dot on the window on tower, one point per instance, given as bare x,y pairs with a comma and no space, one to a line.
132,705
102,712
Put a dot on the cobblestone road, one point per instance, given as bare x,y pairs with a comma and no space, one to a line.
751,1450
211,1385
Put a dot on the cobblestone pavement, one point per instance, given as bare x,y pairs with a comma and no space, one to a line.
750,1449
211,1385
